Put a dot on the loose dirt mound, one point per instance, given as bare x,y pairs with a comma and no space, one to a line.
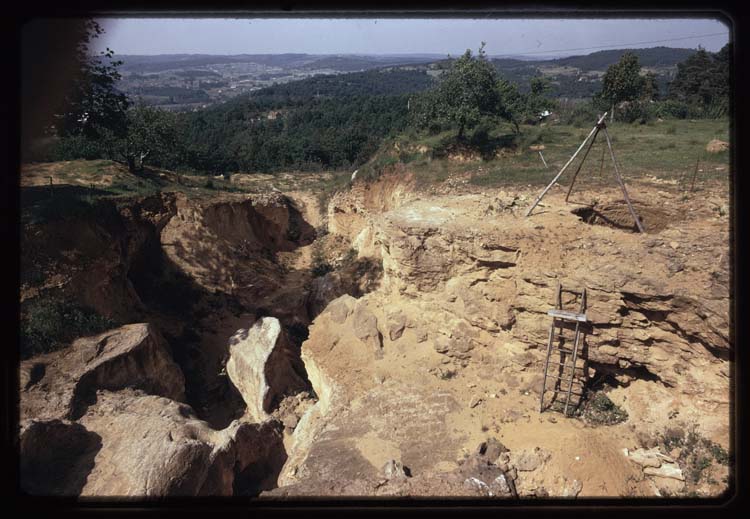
717,146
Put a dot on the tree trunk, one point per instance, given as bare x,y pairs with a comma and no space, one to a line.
612,114
131,164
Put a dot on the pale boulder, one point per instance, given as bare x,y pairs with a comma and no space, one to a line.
263,367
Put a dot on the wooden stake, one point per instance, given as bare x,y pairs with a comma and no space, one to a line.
539,198
622,185
695,174
543,161
51,188
581,164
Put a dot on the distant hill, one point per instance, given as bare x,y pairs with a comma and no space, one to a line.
343,63
600,60
580,76
184,81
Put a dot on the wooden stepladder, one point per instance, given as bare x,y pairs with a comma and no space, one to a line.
566,362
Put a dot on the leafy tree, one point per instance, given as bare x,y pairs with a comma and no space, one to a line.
467,92
93,104
150,134
622,82
702,81
512,106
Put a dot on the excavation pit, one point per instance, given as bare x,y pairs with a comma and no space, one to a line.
618,216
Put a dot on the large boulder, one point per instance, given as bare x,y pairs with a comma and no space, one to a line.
154,446
60,385
263,367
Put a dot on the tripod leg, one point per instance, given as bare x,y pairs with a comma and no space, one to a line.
581,164
622,185
541,195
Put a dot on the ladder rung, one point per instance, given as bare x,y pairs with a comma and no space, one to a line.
567,378
567,315
571,325
564,364
565,391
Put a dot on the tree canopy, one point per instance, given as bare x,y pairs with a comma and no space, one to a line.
703,80
622,81
93,103
468,91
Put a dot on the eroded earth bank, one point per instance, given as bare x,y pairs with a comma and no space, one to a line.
391,342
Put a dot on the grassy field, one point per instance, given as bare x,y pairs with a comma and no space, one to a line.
77,186
668,150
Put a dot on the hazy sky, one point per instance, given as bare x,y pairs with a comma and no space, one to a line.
542,37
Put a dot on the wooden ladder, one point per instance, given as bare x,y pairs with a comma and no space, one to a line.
563,319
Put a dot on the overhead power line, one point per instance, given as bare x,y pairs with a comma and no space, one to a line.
622,44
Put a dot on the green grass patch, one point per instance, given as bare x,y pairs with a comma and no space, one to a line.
50,324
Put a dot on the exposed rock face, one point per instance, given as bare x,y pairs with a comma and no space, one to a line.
263,367
132,356
474,293
229,245
500,276
153,446
202,234
89,259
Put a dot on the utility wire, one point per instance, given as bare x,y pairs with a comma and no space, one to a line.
622,44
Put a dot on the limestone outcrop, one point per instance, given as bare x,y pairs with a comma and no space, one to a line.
263,367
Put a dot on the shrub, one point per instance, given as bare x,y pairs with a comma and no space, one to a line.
671,108
600,410
51,324
636,111
581,115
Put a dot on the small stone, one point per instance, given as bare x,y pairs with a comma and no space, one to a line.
502,484
477,484
394,469
396,325
290,421
491,449
648,458
674,244
572,489
528,461
667,470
